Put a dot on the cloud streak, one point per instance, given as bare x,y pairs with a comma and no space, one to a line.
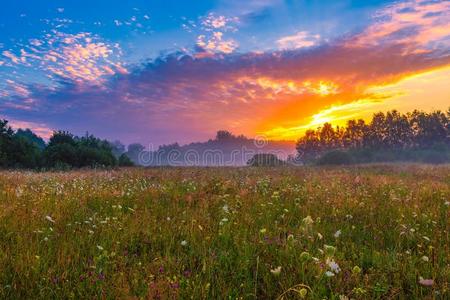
187,97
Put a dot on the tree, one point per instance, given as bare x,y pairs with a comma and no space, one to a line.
67,151
390,136
117,148
17,151
61,150
134,152
309,146
223,135
32,137
125,161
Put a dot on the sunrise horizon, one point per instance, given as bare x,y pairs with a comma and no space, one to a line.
141,73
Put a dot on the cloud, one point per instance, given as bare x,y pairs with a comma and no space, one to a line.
13,58
216,44
243,92
213,28
422,24
247,8
82,57
301,39
40,129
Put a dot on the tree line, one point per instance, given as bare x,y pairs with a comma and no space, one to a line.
24,149
391,136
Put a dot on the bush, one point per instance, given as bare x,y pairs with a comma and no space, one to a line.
335,157
265,160
125,161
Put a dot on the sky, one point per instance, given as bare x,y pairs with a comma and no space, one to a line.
157,72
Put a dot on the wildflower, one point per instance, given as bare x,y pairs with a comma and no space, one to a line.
184,243
337,234
223,221
319,235
263,230
303,292
50,219
276,271
99,247
329,274
226,209
308,220
90,231
333,266
46,239
425,258
426,282
356,270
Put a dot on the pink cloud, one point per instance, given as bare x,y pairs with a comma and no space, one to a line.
422,24
40,129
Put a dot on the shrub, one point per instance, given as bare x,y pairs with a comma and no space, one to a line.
335,157
265,160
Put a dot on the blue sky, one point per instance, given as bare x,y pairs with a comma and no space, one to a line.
148,27
66,61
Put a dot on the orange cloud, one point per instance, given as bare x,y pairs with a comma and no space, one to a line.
412,92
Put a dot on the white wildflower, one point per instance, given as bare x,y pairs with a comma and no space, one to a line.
334,267
226,209
329,274
276,271
50,219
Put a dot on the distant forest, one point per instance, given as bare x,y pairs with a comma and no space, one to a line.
392,136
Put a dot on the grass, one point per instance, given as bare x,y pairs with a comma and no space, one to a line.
372,232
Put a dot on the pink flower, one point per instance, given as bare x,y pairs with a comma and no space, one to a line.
426,282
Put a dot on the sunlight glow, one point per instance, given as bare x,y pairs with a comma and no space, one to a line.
410,93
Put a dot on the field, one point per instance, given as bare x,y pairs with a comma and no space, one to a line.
227,233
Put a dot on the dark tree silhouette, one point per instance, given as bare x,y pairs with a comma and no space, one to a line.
392,135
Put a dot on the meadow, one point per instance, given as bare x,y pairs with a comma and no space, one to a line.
368,232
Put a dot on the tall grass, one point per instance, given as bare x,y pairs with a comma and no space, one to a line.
226,233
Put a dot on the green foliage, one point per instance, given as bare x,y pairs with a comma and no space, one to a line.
24,149
372,232
265,160
388,137
31,137
335,157
125,161
66,150
17,151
